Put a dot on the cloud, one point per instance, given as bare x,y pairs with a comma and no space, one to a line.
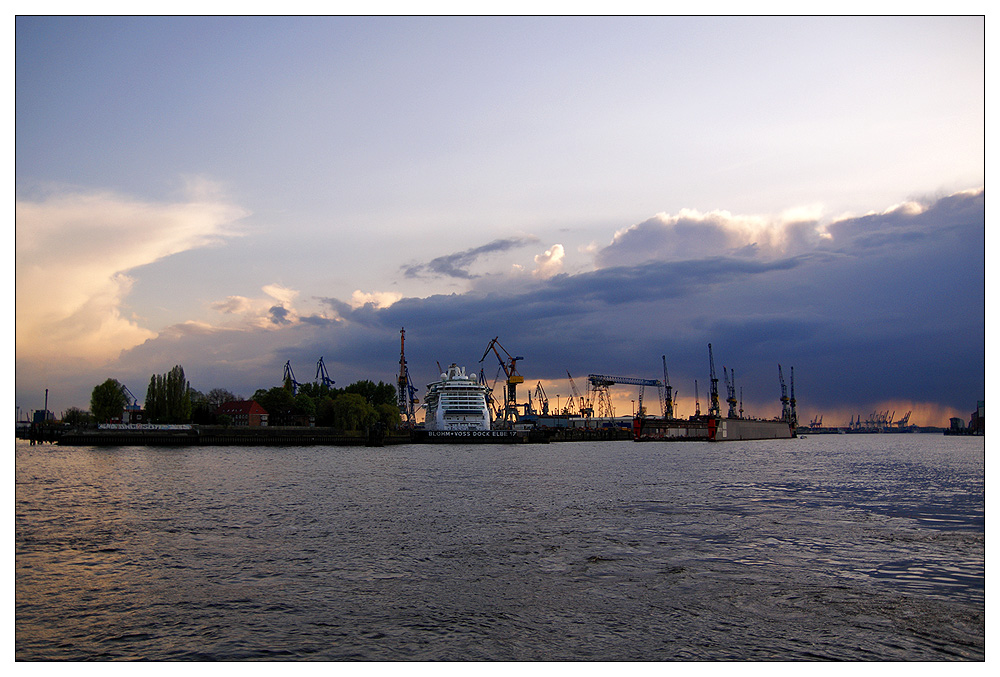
262,312
73,255
550,263
378,299
456,265
889,307
692,234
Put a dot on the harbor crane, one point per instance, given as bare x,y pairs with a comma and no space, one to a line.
543,399
713,408
509,366
668,398
791,402
786,411
601,383
405,392
131,407
584,405
322,375
730,379
289,379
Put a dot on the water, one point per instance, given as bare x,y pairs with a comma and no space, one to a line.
844,547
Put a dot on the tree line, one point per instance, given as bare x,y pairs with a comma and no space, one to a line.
171,399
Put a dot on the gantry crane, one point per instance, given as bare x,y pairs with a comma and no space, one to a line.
509,366
600,382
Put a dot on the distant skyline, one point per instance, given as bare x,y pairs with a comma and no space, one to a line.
228,194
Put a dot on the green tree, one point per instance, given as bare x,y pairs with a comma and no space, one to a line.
168,397
278,402
107,401
389,415
304,405
352,412
374,394
325,414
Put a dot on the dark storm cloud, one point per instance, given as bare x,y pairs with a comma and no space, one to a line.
279,315
456,265
891,307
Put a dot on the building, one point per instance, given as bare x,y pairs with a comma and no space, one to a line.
243,414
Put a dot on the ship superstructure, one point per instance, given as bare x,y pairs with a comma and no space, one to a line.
457,402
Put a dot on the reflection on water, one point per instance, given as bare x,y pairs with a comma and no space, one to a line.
855,547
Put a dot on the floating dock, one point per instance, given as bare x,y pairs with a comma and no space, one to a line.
710,429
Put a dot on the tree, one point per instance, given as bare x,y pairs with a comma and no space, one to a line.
278,402
219,396
76,416
107,401
389,415
352,412
375,395
168,397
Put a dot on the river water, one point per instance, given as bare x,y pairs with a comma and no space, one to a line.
844,547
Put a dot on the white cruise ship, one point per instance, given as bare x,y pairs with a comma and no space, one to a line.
456,402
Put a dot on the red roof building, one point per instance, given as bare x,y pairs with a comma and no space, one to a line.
246,413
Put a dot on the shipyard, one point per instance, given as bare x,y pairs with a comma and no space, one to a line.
461,406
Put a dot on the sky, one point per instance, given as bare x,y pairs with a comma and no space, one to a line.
231,194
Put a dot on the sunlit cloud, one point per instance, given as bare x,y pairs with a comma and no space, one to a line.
692,234
74,253
276,308
378,299
550,263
